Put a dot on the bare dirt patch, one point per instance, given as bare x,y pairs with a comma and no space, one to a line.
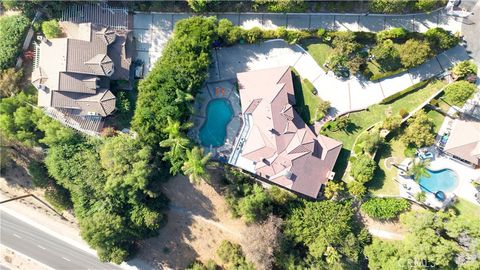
198,221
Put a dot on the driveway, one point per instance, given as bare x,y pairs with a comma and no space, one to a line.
152,30
344,95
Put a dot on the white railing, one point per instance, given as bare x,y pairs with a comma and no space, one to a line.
240,139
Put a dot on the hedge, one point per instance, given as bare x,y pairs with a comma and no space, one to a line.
384,208
12,31
405,92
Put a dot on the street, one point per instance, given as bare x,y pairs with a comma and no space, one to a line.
45,248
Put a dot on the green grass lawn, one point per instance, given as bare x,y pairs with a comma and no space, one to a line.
306,102
466,208
379,73
382,182
437,119
376,113
319,51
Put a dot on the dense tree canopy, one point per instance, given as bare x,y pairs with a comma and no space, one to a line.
387,55
12,30
420,130
464,69
363,169
324,224
441,39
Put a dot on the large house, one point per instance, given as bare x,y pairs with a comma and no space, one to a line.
73,73
279,146
464,141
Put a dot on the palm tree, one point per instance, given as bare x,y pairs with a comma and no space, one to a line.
183,96
195,165
174,127
419,169
178,145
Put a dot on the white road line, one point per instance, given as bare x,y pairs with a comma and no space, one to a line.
66,259
16,235
41,247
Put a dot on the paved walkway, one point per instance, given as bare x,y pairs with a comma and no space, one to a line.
152,30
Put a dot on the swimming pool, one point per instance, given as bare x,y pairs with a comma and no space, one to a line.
444,180
214,129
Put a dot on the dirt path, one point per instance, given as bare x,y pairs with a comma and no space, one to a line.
198,221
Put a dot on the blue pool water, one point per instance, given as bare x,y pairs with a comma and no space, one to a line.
214,129
443,180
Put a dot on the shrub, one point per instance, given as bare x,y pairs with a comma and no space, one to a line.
39,174
12,30
355,64
414,53
441,39
321,33
123,103
198,5
58,197
283,6
459,92
344,42
387,56
363,169
51,29
388,6
421,196
397,34
384,208
294,36
365,37
281,32
11,82
253,35
392,122
224,28
209,265
232,255
425,5
463,69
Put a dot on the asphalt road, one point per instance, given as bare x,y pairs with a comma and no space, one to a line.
471,28
44,247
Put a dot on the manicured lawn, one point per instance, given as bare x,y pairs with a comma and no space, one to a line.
306,102
382,182
378,72
319,51
376,113
468,209
437,118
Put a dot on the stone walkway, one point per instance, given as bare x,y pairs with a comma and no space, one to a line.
152,30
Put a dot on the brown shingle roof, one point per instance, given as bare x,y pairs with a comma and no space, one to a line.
464,140
284,149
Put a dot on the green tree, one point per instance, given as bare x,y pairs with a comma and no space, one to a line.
414,52
356,188
318,225
441,39
210,265
198,5
426,5
344,43
332,189
51,29
388,6
256,206
384,208
363,169
419,169
10,82
195,165
12,31
392,122
420,130
39,174
385,255
232,256
398,33
372,141
464,68
387,55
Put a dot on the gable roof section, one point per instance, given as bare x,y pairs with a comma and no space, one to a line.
464,140
285,150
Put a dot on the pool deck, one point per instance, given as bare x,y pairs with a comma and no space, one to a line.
464,189
210,91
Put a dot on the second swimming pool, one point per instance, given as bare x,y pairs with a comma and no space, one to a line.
214,130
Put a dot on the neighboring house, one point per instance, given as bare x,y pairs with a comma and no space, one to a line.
73,73
464,141
279,146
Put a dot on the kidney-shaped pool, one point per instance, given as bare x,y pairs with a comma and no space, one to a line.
214,130
444,180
